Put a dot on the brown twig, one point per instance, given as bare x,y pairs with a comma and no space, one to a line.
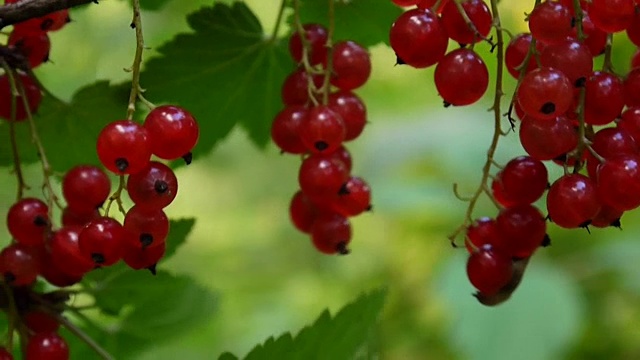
28,9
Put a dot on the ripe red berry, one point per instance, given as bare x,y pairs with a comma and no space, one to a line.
458,29
143,258
548,139
570,57
619,182
154,187
124,147
321,176
34,47
461,77
331,233
550,22
630,121
632,88
604,98
521,230
145,228
351,65
612,15
322,131
482,231
303,212
545,93
295,89
354,197
572,201
86,188
28,220
40,321
102,240
173,132
607,216
516,52
523,180
594,38
65,254
489,270
418,38
18,265
70,217
352,111
50,346
285,129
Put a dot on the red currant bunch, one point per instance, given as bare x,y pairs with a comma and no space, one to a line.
321,113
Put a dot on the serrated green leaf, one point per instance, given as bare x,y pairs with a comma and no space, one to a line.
227,356
68,131
364,21
335,338
226,72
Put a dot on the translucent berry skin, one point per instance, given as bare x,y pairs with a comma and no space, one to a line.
604,98
54,276
635,59
331,233
155,187
316,35
344,156
632,88
548,139
521,230
595,39
351,65
124,147
102,240
321,176
145,228
481,232
34,46
619,182
352,111
606,217
138,258
488,270
86,188
572,201
456,27
550,22
322,131
517,51
18,265
173,131
40,322
285,129
418,38
70,217
28,220
570,57
428,4
461,77
302,212
612,15
523,180
353,198
545,93
32,92
608,143
50,346
50,22
633,31
64,250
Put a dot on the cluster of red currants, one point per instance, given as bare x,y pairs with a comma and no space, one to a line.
315,123
44,343
585,119
29,41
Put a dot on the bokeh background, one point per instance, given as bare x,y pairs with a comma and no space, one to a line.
579,299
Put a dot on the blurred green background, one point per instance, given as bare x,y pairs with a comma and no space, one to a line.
579,298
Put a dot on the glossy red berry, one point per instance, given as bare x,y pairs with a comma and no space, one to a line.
316,36
632,88
352,111
50,346
570,57
70,217
516,53
461,77
545,93
321,176
606,217
124,147
303,212
572,201
18,265
173,132
86,188
612,15
521,230
418,38
102,240
31,91
28,221
523,180
482,231
65,254
550,22
285,129
154,187
322,131
40,321
50,22
145,228
331,233
619,182
143,258
548,139
351,65
34,47
604,98
594,38
489,270
458,29
295,88
344,156
354,197
630,122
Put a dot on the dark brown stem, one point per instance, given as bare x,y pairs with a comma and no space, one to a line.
28,9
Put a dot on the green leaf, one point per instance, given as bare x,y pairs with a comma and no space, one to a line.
226,72
338,337
227,356
68,132
364,21
153,4
179,230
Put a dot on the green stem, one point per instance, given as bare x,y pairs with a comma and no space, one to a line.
276,29
136,23
326,85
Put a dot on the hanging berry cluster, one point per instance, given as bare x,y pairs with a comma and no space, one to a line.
89,237
315,123
584,119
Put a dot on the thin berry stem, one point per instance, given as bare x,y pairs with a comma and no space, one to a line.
136,23
470,24
306,49
117,197
607,65
435,6
326,84
497,130
80,334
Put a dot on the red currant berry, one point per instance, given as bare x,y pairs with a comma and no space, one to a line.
316,36
154,187
70,217
322,176
548,139
124,147
86,188
31,90
516,53
595,39
295,89
632,88
630,121
353,198
303,212
102,240
173,132
523,180
40,321
50,346
351,65
28,220
570,57
604,98
418,38
144,258
606,217
458,29
18,265
550,22
545,93
483,231
619,182
285,129
488,270
331,233
572,201
612,15
65,254
352,111
34,47
521,229
145,228
322,131
461,77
